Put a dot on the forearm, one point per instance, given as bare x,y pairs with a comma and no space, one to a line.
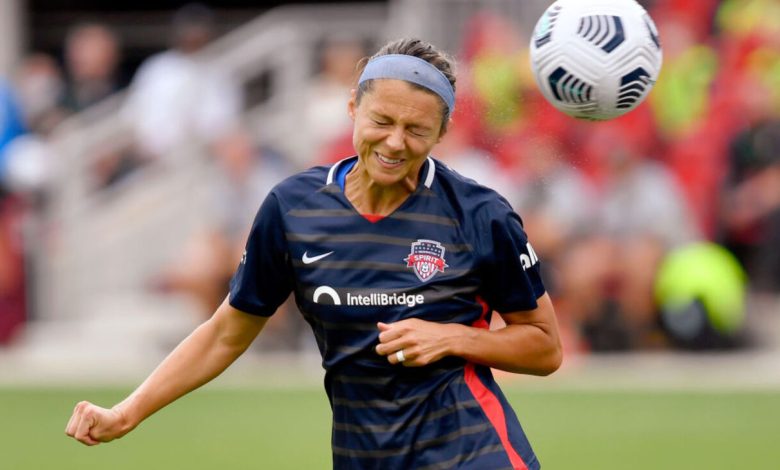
529,344
523,349
202,356
194,362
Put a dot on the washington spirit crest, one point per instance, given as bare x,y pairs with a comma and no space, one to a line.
426,258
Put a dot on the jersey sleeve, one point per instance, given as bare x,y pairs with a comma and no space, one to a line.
511,272
263,280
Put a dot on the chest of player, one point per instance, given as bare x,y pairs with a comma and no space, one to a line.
352,268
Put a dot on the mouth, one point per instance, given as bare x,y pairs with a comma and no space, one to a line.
388,162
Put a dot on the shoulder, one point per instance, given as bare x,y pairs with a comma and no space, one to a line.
295,189
165,59
159,64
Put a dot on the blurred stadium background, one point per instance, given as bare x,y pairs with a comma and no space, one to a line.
137,140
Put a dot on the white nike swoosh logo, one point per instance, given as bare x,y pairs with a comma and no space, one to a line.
308,260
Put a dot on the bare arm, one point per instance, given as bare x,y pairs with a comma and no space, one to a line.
529,344
203,355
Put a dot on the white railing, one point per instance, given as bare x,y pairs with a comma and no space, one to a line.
112,241
445,22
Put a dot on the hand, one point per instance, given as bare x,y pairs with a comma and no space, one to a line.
91,424
422,342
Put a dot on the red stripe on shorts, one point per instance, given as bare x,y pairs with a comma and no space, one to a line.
488,402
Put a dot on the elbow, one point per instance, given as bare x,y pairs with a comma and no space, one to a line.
543,365
552,362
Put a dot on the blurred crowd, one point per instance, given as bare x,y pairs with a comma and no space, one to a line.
692,174
606,204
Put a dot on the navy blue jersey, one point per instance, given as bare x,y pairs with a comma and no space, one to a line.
453,252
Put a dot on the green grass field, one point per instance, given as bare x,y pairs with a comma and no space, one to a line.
290,429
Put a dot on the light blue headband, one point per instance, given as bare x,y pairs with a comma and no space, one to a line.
410,69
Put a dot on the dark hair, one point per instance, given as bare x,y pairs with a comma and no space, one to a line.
193,14
420,49
192,26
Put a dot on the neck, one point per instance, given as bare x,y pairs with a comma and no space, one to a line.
369,197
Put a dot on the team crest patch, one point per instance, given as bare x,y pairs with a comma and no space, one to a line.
426,258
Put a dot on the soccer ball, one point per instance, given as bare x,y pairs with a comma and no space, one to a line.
595,59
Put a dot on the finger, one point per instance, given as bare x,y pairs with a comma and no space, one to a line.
409,357
77,433
76,426
383,326
390,348
85,424
70,429
89,441
414,358
392,358
390,334
71,424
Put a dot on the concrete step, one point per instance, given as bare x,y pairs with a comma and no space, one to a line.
112,339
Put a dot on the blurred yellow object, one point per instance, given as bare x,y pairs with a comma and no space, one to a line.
681,97
744,17
499,81
705,273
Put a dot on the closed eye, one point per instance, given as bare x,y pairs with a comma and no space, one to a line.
419,132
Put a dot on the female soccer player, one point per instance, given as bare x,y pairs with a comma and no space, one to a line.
397,263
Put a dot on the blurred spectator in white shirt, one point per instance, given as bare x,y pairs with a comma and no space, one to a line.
176,97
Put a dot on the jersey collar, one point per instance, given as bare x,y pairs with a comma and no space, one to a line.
430,171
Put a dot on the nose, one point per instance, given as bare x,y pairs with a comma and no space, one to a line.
395,141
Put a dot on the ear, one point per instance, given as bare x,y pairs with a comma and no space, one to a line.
443,131
352,104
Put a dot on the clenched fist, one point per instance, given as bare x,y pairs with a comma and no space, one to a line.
91,424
